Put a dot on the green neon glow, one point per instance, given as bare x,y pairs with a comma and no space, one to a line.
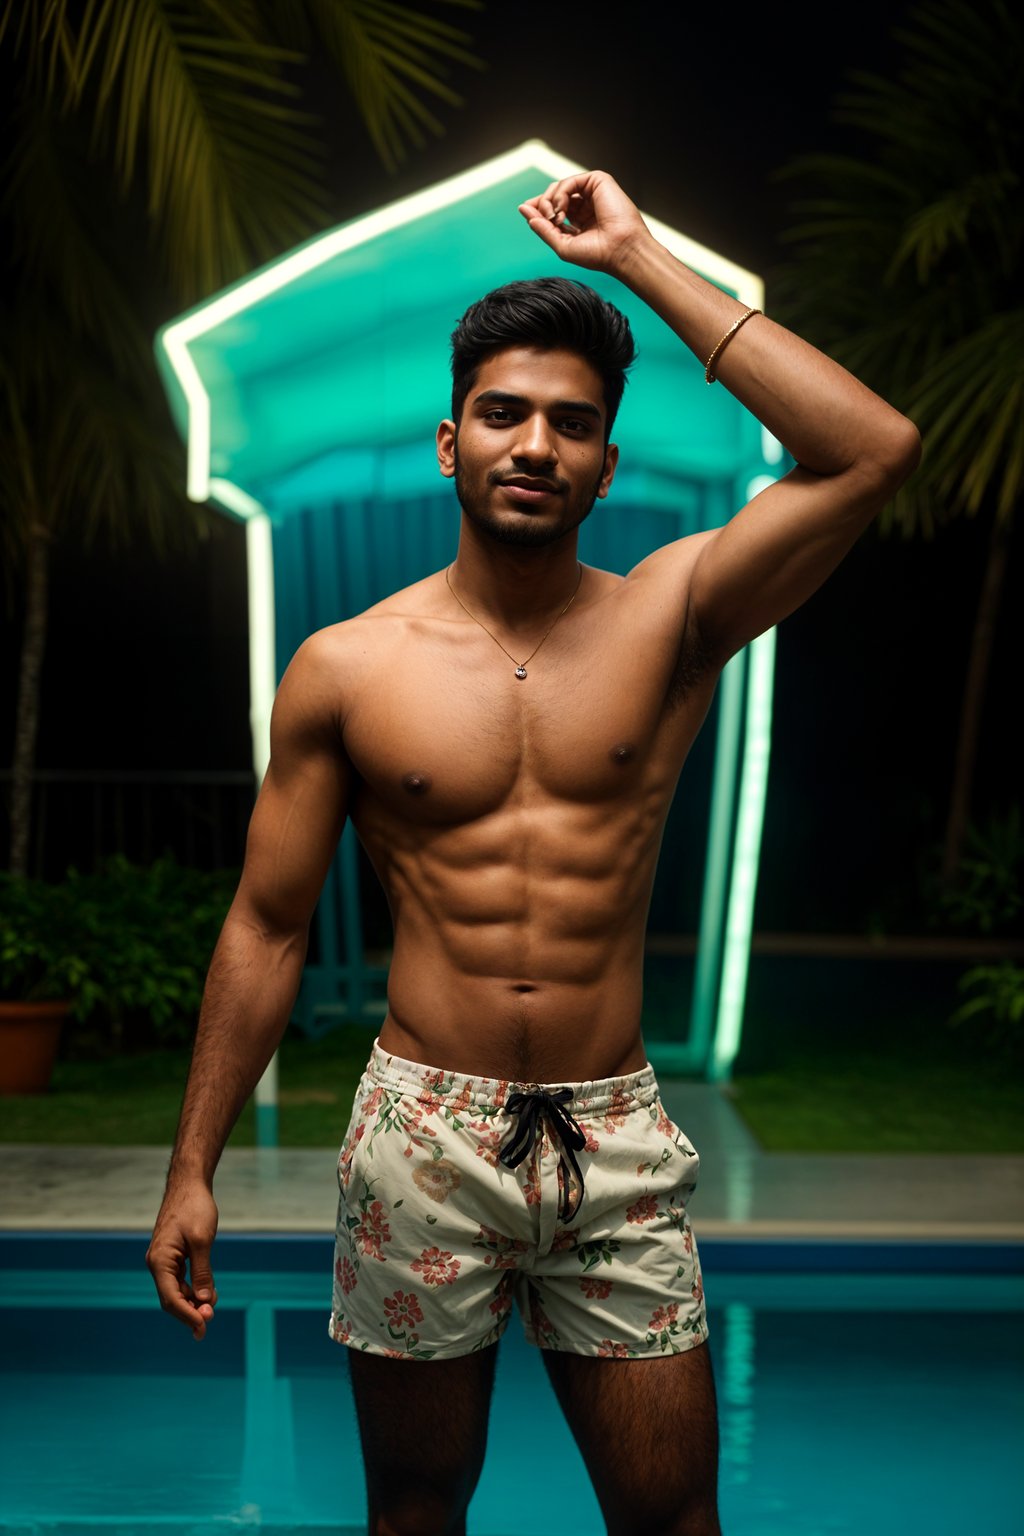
716,861
178,341
772,450
750,821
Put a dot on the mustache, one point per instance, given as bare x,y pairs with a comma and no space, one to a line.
550,482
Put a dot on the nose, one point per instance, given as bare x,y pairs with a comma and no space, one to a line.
535,442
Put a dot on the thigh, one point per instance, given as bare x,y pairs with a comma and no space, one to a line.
423,1428
648,1433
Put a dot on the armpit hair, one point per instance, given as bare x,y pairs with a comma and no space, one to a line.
692,667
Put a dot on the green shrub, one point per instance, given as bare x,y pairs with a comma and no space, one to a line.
987,896
995,1014
129,946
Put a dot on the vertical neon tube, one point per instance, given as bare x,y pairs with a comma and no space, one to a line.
750,821
716,859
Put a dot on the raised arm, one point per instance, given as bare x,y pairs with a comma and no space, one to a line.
256,967
852,450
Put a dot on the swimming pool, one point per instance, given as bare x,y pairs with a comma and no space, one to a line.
862,1388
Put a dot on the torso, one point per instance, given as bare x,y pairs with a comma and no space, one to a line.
515,825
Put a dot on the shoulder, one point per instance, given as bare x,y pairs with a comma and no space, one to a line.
333,664
672,564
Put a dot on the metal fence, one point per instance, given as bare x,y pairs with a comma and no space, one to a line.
82,816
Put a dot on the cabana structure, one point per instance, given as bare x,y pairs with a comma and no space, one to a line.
308,395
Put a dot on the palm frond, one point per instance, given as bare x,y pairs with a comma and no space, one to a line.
198,91
392,55
57,262
903,264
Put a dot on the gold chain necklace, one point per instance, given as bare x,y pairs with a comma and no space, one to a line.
520,666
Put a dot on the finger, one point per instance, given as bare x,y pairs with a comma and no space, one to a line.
200,1273
548,232
201,1299
171,1290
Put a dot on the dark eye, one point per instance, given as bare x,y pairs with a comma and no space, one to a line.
572,425
498,411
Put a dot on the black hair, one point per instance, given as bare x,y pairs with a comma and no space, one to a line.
544,312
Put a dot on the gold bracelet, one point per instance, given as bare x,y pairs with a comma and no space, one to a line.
709,377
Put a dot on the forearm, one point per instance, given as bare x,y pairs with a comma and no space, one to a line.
826,418
249,995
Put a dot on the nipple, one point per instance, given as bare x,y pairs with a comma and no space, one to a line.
416,783
623,752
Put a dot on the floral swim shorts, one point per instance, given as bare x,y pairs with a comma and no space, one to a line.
460,1195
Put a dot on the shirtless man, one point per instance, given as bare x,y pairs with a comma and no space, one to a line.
506,736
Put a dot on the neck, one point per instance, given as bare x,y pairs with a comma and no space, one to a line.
514,583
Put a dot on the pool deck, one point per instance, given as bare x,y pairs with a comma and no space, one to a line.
743,1191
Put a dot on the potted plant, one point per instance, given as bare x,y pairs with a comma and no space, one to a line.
40,974
124,947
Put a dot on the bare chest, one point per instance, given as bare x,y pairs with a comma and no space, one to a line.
451,734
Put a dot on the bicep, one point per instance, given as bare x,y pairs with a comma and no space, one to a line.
301,807
777,551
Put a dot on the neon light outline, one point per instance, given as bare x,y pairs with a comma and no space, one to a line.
534,154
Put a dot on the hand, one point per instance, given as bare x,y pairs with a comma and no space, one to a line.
588,220
185,1229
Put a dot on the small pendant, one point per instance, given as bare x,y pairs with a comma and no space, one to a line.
520,672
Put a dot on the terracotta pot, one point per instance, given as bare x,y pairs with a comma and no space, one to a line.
29,1033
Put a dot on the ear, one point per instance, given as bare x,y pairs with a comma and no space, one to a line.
446,449
611,459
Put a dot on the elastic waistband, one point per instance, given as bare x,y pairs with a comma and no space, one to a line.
618,1094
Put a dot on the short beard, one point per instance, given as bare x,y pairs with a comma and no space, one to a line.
524,533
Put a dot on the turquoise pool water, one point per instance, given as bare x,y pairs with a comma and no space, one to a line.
861,1390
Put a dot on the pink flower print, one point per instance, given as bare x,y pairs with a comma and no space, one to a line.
614,1351
437,1266
372,1232
644,1209
597,1290
342,1331
394,1354
542,1324
346,1275
697,1288
488,1143
591,1144
402,1310
664,1317
687,1241
531,1189
665,1125
618,1109
412,1114
567,1238
437,1179
501,1304
462,1100
504,1251
371,1103
432,1103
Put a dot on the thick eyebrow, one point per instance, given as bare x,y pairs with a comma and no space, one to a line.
559,407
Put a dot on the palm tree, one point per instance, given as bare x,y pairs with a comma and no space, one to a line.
183,116
905,268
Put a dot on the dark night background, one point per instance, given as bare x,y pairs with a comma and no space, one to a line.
147,660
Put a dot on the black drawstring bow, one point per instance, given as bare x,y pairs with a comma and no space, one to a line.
530,1108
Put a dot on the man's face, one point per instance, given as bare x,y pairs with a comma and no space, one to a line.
529,457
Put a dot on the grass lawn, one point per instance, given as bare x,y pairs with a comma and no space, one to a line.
922,1094
134,1100
868,1102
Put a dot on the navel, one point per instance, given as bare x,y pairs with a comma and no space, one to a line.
623,752
416,783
